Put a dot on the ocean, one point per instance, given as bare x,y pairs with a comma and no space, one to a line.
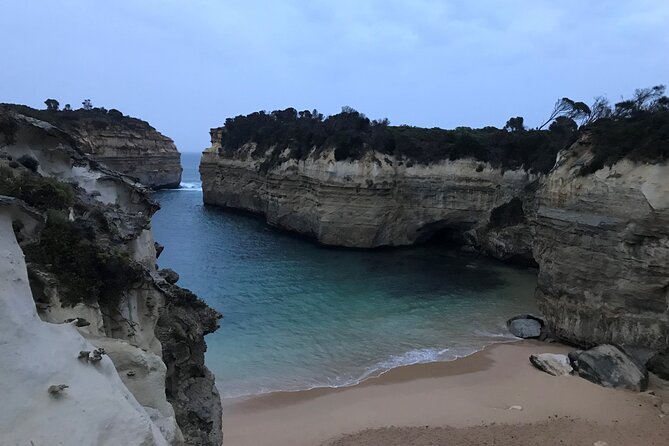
299,316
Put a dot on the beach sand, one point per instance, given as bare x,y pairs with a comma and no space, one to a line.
462,402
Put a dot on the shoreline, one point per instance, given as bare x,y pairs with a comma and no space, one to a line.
371,375
475,390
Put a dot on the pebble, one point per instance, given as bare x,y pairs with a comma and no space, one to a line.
515,408
665,408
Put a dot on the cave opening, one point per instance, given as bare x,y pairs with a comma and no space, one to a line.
444,233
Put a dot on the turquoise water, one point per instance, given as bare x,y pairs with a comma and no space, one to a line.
298,316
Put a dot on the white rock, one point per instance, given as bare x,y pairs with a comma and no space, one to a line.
552,363
95,409
515,408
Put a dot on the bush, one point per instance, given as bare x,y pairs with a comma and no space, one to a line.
352,134
29,162
88,272
40,192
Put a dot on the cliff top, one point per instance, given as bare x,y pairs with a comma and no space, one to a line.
635,128
97,118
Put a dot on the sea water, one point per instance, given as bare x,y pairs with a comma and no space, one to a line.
299,316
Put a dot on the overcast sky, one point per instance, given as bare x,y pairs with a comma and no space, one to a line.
185,66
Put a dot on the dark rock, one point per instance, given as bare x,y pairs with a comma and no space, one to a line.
610,366
159,248
659,364
553,364
169,275
525,326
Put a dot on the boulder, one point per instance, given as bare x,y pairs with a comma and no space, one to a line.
169,275
551,363
659,364
610,366
525,326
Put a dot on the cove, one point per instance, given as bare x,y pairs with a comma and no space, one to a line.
299,316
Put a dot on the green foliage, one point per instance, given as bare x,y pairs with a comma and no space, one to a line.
52,104
515,124
88,272
641,138
29,162
352,134
8,130
40,192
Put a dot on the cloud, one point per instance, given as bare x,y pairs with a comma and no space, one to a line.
186,66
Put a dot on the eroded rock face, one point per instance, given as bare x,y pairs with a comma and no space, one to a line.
600,236
375,201
602,245
94,214
123,144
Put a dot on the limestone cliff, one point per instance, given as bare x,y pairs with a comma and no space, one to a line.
92,266
124,144
594,219
602,245
374,201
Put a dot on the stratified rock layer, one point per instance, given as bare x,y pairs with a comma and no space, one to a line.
602,245
366,203
124,144
599,232
94,262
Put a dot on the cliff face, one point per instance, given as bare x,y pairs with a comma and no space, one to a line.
123,144
91,266
602,245
596,224
370,202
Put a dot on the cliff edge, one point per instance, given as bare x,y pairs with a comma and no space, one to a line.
115,328
587,206
122,143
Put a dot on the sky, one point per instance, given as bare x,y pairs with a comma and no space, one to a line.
186,66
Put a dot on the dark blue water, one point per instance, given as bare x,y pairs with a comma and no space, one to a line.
299,316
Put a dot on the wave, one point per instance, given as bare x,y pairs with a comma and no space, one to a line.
412,357
195,187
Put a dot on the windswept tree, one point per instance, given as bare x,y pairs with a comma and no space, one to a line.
578,111
645,100
600,109
87,104
52,104
515,124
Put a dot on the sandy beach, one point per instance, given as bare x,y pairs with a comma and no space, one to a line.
464,402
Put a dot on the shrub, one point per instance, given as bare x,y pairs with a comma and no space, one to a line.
40,192
29,162
87,271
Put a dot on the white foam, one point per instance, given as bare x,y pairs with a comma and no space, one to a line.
195,187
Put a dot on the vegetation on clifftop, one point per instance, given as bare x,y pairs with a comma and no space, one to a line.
635,128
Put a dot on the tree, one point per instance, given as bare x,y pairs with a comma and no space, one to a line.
568,108
563,125
600,109
52,104
644,100
67,107
87,104
515,124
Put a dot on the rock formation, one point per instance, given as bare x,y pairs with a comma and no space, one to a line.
594,218
91,267
374,201
602,245
123,144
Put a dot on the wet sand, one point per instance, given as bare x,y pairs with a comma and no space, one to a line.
461,402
